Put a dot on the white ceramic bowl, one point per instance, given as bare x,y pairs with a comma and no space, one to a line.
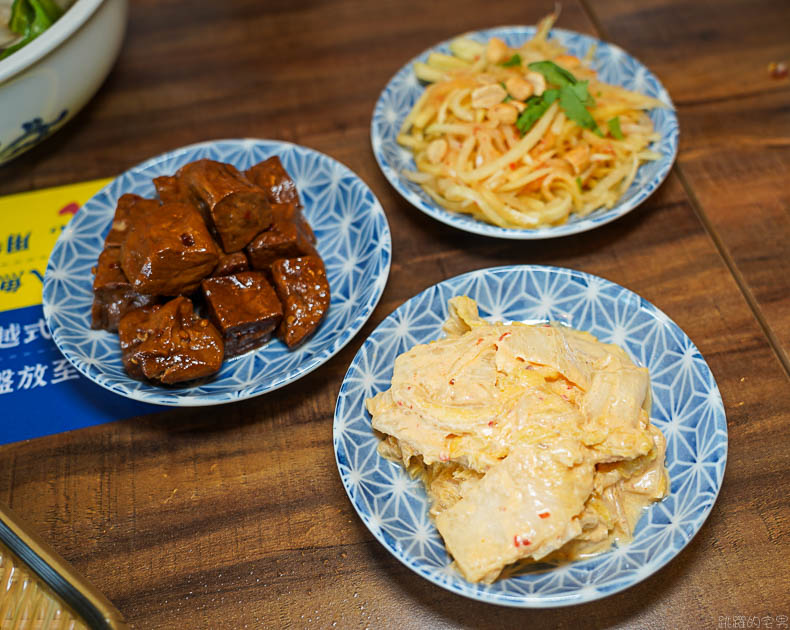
48,81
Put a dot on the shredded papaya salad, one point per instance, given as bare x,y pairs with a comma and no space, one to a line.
524,137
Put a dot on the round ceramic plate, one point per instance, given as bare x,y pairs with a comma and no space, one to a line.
353,239
686,407
613,65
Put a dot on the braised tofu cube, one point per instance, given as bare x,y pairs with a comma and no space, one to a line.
231,263
293,213
169,251
113,296
171,190
128,206
244,308
283,239
303,289
271,177
235,208
168,344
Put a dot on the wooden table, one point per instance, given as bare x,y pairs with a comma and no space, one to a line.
235,516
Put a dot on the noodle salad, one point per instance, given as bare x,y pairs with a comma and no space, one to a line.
524,137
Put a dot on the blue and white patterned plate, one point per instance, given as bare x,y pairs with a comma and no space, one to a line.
613,65
353,239
687,408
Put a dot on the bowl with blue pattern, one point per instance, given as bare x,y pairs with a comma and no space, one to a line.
686,406
613,65
353,239
46,82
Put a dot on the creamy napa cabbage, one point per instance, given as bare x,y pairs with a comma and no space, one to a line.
534,442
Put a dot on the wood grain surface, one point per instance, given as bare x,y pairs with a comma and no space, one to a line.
235,516
735,130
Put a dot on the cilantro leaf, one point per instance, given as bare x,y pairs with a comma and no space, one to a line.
575,110
580,89
551,95
579,182
614,127
553,73
536,107
515,60
574,97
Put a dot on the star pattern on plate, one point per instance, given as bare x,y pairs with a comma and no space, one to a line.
686,406
613,65
353,239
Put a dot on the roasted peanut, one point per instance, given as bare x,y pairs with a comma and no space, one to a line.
488,95
519,88
496,51
504,113
537,81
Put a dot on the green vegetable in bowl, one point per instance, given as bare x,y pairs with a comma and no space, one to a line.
28,19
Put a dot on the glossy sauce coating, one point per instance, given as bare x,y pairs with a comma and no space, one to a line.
235,208
169,344
303,289
113,296
231,263
128,206
244,307
271,176
168,250
171,190
283,239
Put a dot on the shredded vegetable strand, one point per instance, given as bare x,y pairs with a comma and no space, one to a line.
524,137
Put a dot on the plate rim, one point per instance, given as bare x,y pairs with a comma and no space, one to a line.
528,601
165,397
471,225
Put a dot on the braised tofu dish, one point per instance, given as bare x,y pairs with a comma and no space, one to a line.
214,267
534,441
